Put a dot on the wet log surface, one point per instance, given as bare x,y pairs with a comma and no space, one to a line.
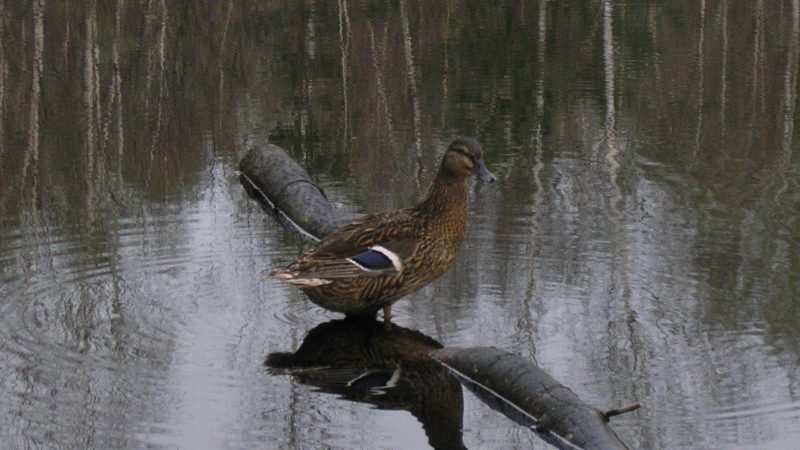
284,189
514,386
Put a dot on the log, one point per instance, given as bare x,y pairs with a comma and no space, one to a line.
284,189
520,390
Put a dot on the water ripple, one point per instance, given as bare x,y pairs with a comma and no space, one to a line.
95,318
780,409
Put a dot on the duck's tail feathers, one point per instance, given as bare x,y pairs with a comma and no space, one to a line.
280,360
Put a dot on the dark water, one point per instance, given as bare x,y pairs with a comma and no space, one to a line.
642,243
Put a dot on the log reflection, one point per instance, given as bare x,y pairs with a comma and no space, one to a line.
365,362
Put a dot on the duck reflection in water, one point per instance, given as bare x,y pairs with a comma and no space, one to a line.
363,361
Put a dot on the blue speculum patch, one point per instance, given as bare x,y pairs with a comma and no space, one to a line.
374,260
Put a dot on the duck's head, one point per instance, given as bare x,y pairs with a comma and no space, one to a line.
464,157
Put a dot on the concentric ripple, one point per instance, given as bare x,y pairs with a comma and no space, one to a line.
96,325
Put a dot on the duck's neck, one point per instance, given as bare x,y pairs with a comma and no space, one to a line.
447,196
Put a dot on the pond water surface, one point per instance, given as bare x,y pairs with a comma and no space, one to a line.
642,242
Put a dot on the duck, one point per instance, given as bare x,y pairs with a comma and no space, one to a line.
373,261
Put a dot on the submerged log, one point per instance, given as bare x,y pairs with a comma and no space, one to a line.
525,393
284,189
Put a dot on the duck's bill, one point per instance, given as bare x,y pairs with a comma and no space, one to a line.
483,173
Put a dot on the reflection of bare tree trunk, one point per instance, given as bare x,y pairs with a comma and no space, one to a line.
613,145
610,125
757,44
311,33
91,103
105,120
344,41
2,82
724,94
114,113
98,111
148,80
217,119
31,220
537,134
160,46
789,100
652,25
162,37
222,44
382,98
538,148
446,66
113,88
93,168
505,91
540,54
310,47
411,72
217,126
700,74
32,153
67,36
116,85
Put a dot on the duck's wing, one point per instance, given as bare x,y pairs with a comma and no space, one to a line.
370,246
375,260
365,232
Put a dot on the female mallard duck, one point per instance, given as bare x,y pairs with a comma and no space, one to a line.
374,260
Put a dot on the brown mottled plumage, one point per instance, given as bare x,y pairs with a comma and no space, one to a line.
374,260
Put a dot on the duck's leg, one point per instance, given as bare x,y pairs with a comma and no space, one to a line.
387,314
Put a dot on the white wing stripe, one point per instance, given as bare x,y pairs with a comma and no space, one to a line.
393,257
357,264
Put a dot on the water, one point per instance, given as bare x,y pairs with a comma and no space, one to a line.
642,242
